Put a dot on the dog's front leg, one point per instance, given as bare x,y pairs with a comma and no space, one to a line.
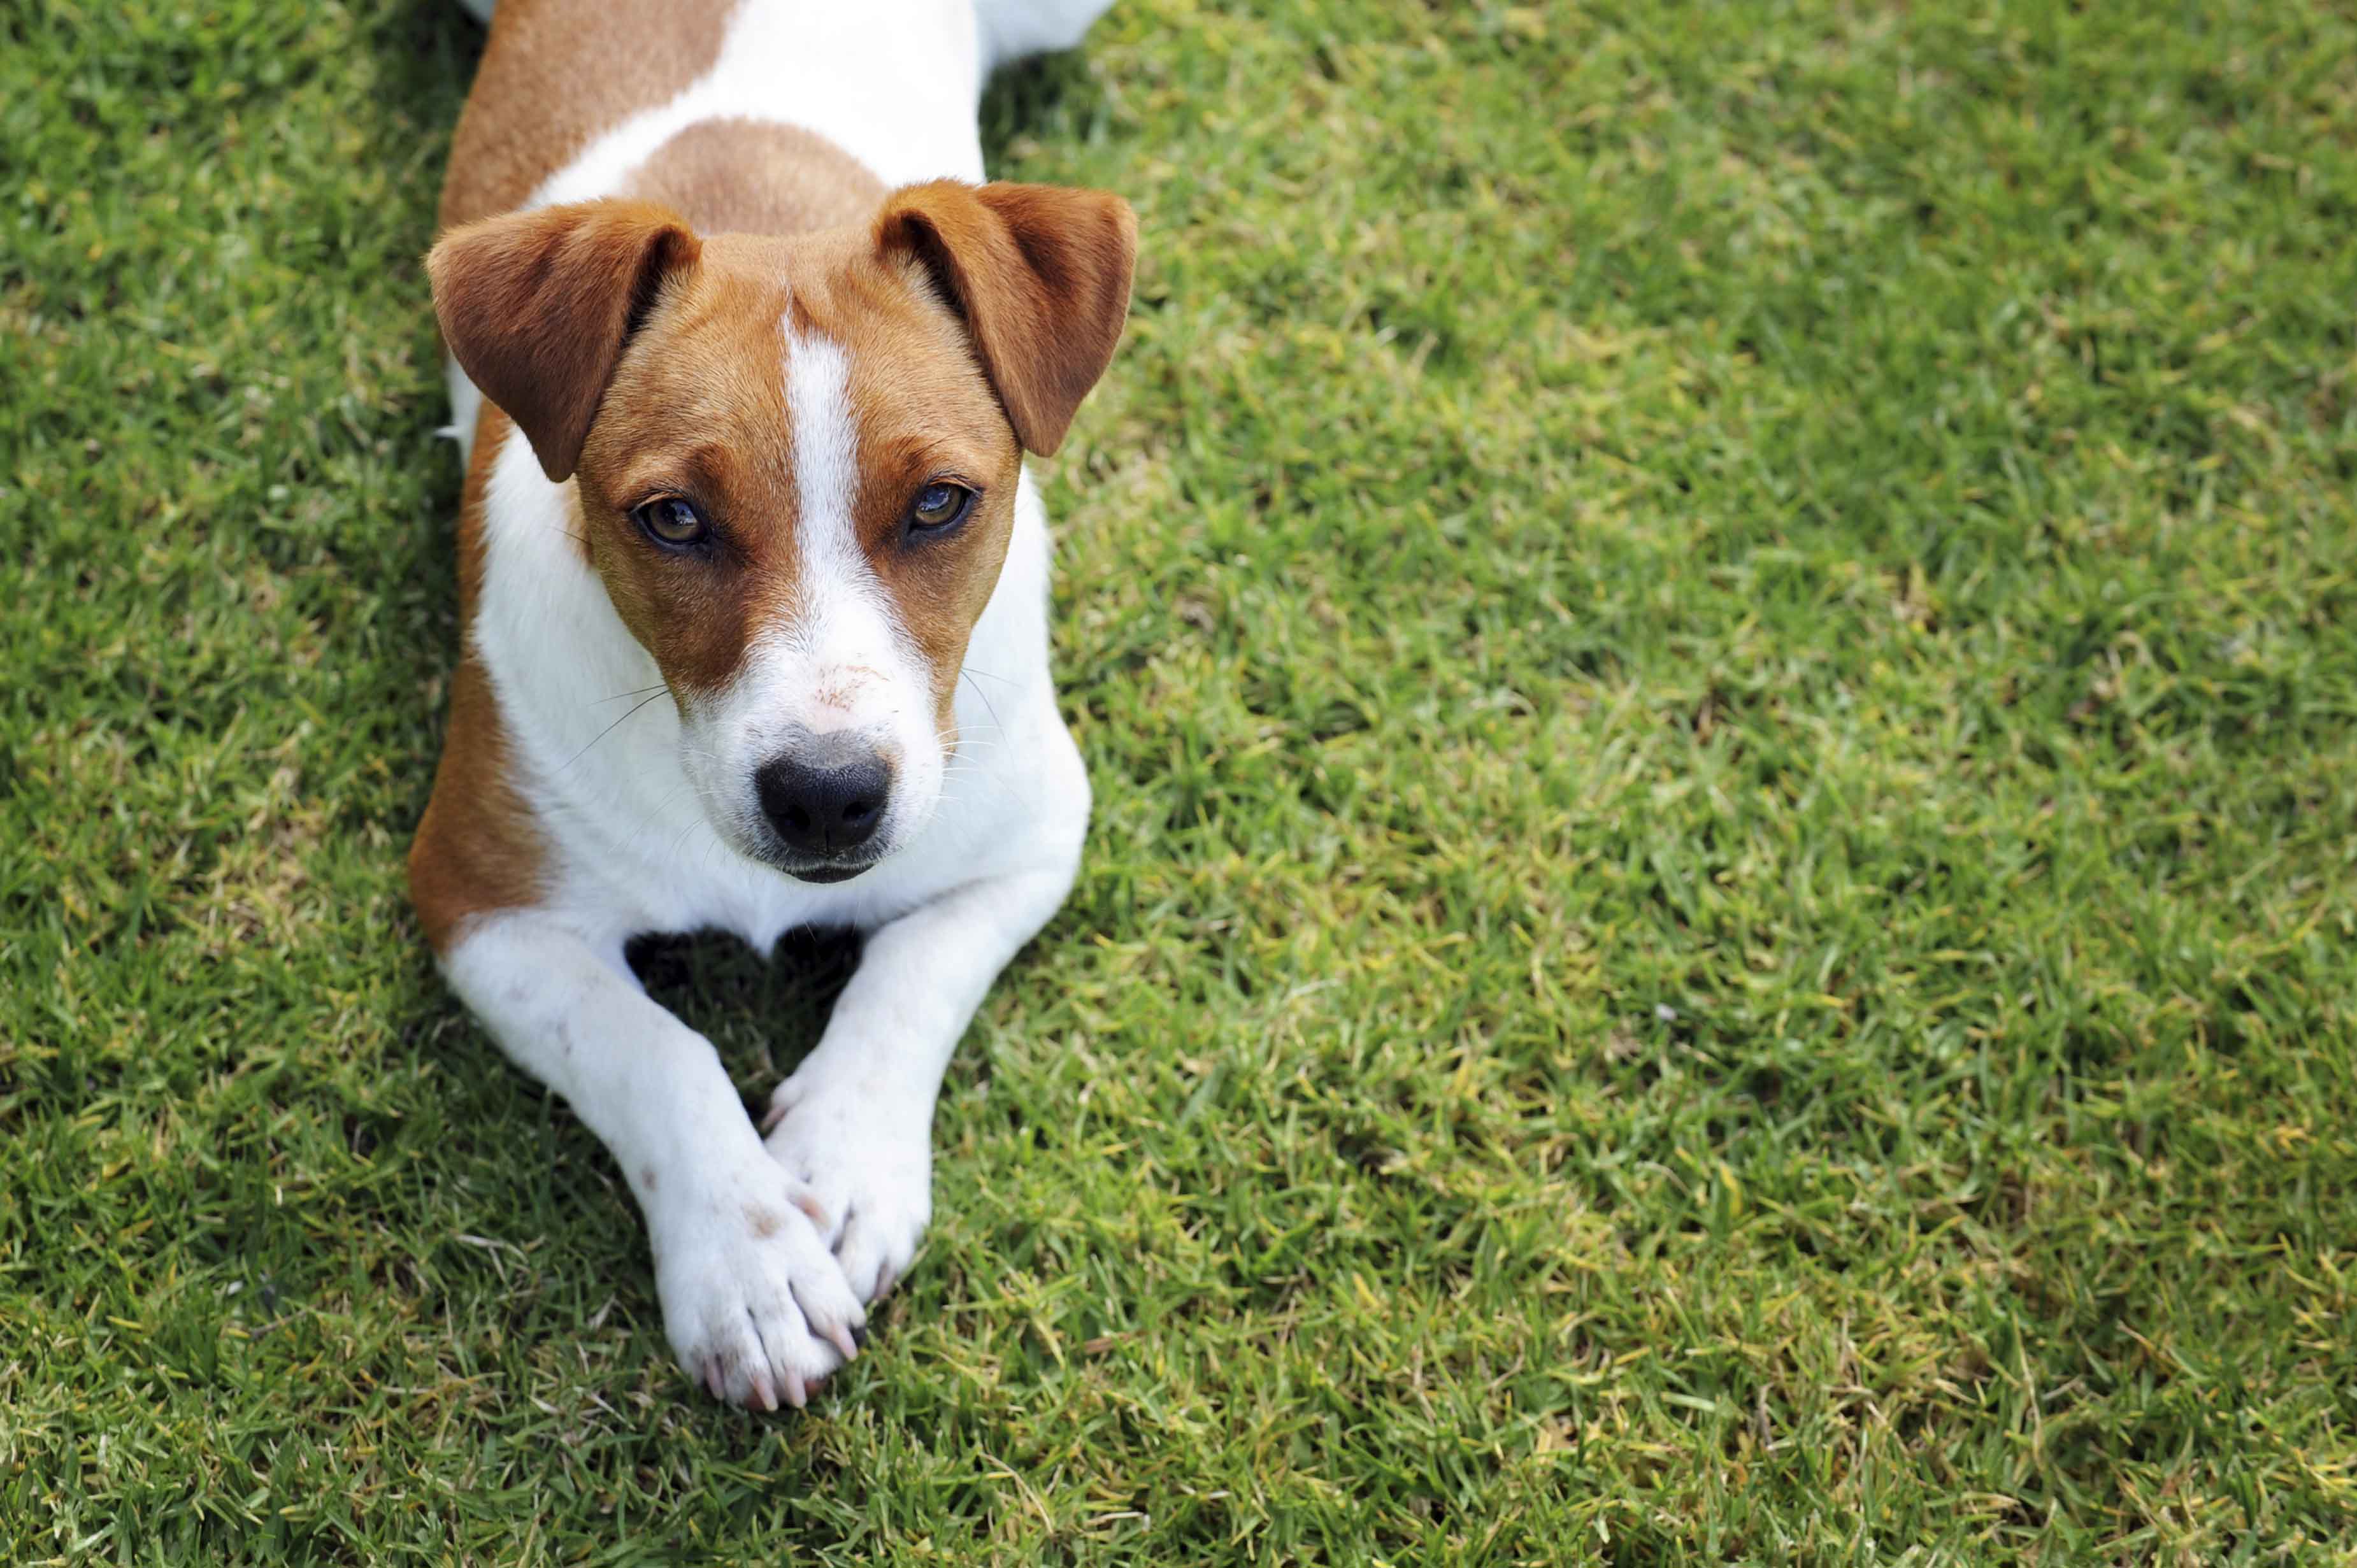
854,1121
756,1307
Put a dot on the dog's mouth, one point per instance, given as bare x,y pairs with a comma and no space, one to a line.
819,871
762,847
824,874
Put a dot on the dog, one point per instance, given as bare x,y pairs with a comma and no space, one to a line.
745,360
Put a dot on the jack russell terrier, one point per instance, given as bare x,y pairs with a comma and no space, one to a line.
745,361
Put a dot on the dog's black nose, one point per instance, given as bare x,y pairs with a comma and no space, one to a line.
826,796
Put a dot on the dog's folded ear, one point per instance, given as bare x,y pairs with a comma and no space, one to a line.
536,307
1040,272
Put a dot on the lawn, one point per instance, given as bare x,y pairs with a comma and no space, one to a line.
1718,648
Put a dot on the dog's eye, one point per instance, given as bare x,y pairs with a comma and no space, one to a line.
673,521
940,504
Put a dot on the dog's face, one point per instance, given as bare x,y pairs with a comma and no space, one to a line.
796,463
798,490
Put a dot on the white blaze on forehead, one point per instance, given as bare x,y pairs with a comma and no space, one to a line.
842,630
838,656
827,469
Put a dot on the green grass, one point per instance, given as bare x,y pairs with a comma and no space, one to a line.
1719,653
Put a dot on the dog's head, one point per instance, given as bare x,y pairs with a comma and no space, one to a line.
796,462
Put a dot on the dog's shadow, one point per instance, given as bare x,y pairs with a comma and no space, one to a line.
762,1012
1054,97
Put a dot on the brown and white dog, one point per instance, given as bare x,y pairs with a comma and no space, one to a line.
745,364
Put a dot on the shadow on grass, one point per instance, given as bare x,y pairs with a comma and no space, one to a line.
1056,95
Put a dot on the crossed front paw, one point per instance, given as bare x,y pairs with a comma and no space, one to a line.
866,1154
758,1308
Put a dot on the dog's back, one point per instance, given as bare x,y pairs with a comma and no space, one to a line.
557,74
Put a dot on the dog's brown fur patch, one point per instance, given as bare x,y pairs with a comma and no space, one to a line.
538,307
756,177
554,75
479,848
1041,275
